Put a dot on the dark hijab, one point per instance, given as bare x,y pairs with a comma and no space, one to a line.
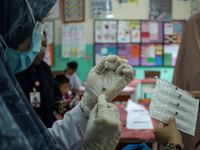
20,128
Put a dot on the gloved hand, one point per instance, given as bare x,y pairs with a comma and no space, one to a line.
168,133
103,128
120,74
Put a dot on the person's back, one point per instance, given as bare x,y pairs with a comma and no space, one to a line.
187,69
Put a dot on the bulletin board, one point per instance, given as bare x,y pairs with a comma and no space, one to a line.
73,10
142,42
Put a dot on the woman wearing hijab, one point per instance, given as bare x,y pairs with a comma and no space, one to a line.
20,128
187,70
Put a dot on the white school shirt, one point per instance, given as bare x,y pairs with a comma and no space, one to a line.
75,82
69,132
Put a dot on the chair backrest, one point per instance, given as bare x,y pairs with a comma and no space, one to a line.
152,74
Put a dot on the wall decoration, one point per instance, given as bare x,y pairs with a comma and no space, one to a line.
195,6
173,31
129,31
106,31
124,32
104,50
127,1
49,55
49,30
170,54
160,10
141,42
101,9
73,40
151,55
73,10
152,32
131,52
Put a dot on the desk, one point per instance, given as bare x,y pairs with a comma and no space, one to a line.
147,86
127,93
135,136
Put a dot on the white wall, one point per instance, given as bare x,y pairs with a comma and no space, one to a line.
140,10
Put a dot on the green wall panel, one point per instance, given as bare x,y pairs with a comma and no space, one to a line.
84,65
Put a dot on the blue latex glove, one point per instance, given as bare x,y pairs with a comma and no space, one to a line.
131,147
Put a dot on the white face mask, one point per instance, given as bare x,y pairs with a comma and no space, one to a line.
20,61
169,100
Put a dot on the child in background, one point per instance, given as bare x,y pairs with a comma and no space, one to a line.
75,81
71,100
64,85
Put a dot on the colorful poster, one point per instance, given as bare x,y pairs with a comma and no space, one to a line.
151,55
127,1
152,31
160,10
135,31
104,50
131,52
106,31
173,31
170,54
101,9
124,35
73,40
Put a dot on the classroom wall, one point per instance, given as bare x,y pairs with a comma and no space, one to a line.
180,10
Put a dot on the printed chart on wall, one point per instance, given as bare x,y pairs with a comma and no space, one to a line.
129,32
73,40
152,32
151,55
131,52
48,58
104,50
173,31
106,31
170,54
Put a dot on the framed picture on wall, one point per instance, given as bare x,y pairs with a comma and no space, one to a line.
73,10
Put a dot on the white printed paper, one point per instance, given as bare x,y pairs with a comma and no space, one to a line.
124,32
168,29
48,25
137,116
136,36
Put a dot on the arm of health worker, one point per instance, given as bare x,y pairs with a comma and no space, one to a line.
69,132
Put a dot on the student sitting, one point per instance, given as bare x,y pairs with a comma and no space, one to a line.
64,86
75,82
